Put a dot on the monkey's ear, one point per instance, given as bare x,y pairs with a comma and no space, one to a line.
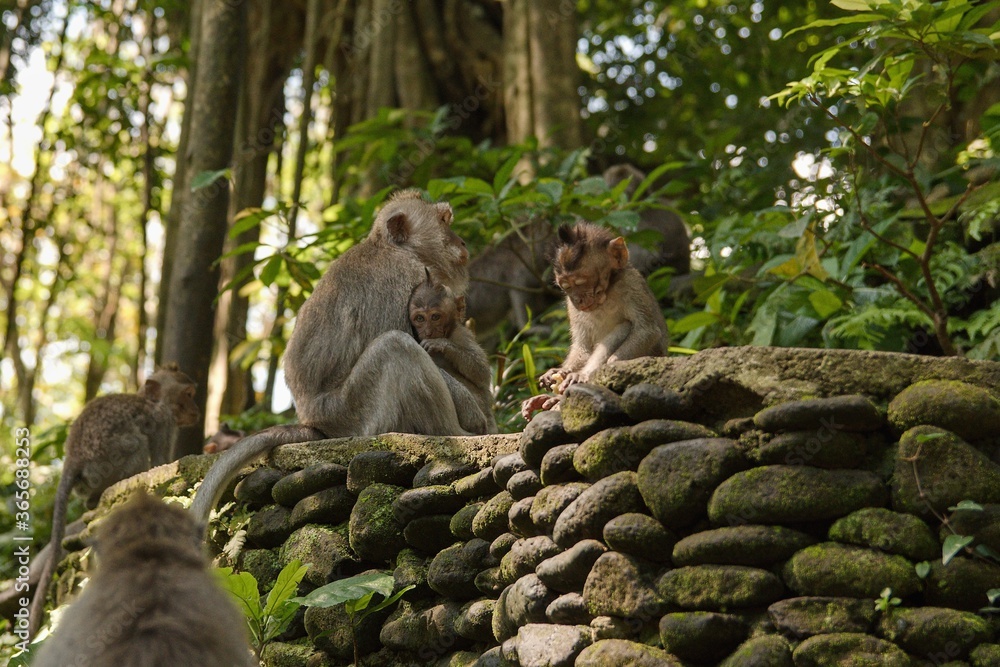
152,390
565,234
398,227
618,252
427,272
460,306
444,210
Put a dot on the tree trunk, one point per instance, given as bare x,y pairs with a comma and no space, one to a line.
194,279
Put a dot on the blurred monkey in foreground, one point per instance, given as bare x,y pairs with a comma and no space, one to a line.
437,316
152,602
115,437
613,315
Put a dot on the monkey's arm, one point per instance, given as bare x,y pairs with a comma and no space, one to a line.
464,354
645,340
239,455
603,351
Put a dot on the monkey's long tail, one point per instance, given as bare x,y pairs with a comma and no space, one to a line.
239,455
37,611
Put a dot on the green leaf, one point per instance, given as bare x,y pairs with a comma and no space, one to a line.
551,188
530,370
967,505
503,174
477,186
271,269
248,218
825,302
285,586
994,595
350,588
953,545
693,321
206,178
243,587
923,569
386,602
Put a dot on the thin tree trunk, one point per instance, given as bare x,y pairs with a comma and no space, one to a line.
194,279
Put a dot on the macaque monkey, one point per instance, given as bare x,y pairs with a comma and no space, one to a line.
674,249
223,439
152,602
437,317
613,315
115,437
508,278
352,364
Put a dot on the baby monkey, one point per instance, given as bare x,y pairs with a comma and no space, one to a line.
152,602
437,317
613,314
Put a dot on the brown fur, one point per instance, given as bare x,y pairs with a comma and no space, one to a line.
152,602
613,315
352,364
115,437
436,315
223,439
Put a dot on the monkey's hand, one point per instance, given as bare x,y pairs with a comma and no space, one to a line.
538,403
435,345
571,379
552,377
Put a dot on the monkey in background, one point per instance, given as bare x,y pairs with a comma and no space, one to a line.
613,314
115,437
152,602
508,279
352,364
437,317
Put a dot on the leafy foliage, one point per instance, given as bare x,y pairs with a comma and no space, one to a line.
268,620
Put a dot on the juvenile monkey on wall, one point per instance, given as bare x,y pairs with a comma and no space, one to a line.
352,364
152,602
115,437
437,316
613,315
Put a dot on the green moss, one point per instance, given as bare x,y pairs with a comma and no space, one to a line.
719,587
937,631
889,531
969,411
837,569
764,651
848,648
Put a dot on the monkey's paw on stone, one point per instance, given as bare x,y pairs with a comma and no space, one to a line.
539,403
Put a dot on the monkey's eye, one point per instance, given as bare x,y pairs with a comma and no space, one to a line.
419,318
435,317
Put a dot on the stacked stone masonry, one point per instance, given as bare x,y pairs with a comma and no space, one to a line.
680,512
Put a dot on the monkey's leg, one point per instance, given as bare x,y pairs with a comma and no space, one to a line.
470,413
395,386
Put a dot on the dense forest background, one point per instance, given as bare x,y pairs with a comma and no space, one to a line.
174,176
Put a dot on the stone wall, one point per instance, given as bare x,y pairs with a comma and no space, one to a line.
744,506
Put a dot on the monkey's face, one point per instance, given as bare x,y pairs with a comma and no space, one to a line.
432,322
586,290
186,412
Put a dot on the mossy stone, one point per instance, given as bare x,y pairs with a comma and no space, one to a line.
506,467
701,636
620,585
557,465
543,432
491,521
475,621
547,645
519,518
476,485
719,587
442,471
285,654
525,555
640,535
970,412
330,506
568,609
961,584
330,630
295,486
411,570
567,572
461,522
382,467
763,651
985,655
521,603
838,413
587,409
849,648
604,500
832,569
756,546
608,652
649,401
263,564
793,494
255,488
617,449
430,534
375,533
676,480
524,484
452,572
269,527
892,532
550,502
424,501
807,616
824,448
949,469
428,632
326,549
935,631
